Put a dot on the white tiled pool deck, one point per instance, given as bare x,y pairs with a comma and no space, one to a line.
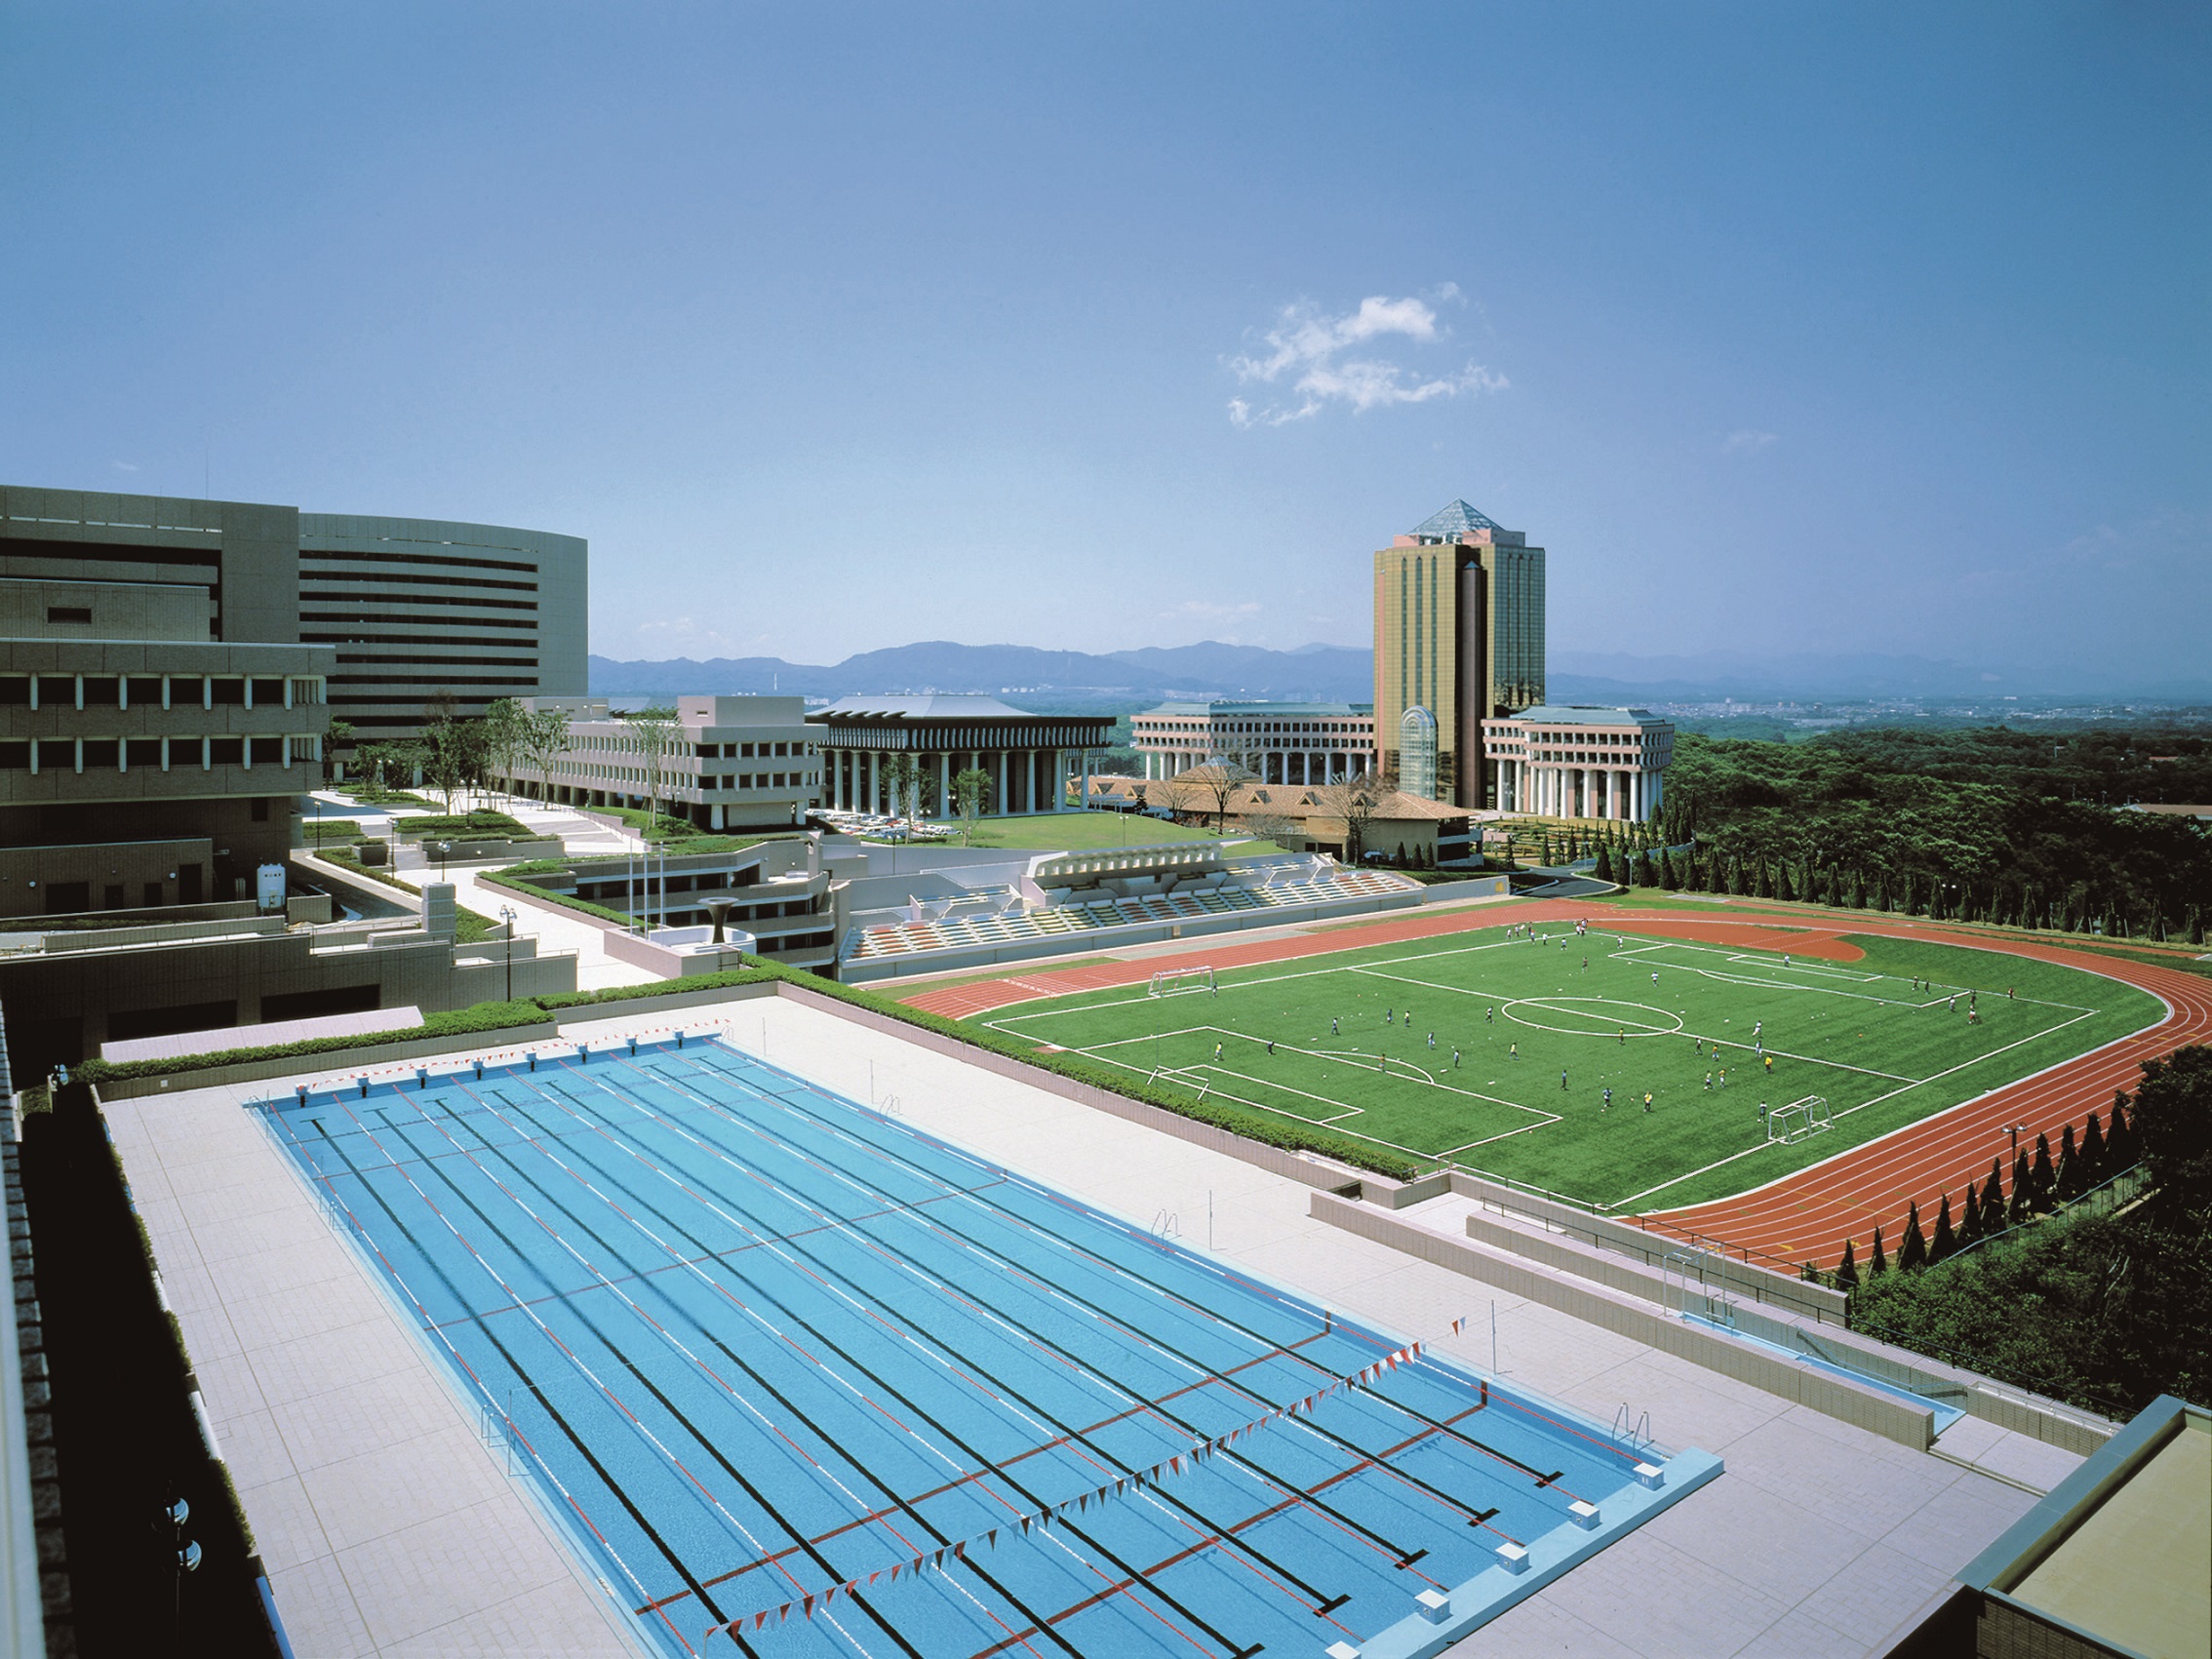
389,1528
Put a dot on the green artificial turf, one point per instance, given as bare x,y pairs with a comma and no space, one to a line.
1088,832
1521,1013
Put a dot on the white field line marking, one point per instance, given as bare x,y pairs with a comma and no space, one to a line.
1862,1106
1352,1058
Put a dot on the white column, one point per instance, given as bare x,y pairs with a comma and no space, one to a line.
1006,777
944,786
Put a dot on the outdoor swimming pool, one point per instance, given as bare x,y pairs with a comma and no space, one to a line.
805,1379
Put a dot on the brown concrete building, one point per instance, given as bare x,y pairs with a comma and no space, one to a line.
1459,638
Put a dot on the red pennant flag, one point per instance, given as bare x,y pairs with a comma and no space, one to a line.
810,1606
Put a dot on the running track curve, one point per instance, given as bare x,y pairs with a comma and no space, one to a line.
1805,1216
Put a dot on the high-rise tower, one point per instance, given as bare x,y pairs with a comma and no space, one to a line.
1459,636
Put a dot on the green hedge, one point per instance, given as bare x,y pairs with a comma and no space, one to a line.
469,928
481,825
567,901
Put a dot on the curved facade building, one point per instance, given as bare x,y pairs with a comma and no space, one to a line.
413,608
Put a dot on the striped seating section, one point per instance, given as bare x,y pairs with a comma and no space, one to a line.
967,933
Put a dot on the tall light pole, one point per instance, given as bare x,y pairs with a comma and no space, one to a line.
507,915
2015,1130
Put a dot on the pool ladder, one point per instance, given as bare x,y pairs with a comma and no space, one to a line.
1636,1437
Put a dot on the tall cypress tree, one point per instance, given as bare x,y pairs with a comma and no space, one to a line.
2069,1182
2093,1151
1848,1270
1784,888
2122,1151
1879,1265
1913,1255
1993,1201
2023,1203
1667,871
2045,1173
1945,1240
1970,1217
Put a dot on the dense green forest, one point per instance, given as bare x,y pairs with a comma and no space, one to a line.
1985,824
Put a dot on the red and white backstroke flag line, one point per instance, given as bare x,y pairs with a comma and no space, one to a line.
935,1559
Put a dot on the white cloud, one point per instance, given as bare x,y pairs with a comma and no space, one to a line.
1746,442
1307,348
122,466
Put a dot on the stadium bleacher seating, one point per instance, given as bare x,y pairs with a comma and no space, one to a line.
1046,921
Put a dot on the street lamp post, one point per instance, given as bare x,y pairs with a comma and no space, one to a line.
445,848
507,915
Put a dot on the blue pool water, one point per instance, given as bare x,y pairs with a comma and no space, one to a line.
755,1341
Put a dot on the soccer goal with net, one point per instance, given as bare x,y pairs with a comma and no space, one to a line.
1800,1118
1170,980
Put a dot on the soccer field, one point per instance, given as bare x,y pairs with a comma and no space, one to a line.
1494,1050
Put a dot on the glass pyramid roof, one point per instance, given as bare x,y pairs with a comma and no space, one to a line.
1455,520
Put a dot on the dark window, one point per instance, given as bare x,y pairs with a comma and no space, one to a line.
112,898
268,693
184,691
69,614
145,690
152,895
143,752
102,691
269,751
102,754
228,693
223,751
57,754
748,754
64,897
15,689
15,757
261,806
187,751
313,1005
188,884
166,1022
56,691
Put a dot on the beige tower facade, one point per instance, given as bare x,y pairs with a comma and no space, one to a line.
1459,638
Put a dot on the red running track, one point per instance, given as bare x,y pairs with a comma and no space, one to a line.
1805,1216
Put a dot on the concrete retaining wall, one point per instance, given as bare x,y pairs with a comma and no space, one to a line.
1641,1321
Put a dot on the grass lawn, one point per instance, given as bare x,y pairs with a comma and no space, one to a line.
1088,832
1308,1040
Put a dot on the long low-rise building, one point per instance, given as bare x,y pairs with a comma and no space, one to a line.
729,762
1276,743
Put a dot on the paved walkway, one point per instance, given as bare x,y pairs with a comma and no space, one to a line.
390,1529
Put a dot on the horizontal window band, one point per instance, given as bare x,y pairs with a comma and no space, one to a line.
441,661
404,578
395,621
321,553
430,680
419,598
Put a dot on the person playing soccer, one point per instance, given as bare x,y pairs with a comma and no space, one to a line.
1217,1050
1952,1006
1512,1050
1709,1083
1757,1026
1270,1045
1621,1036
1432,1039
1647,1100
1769,1059
1456,1059
1388,1019
1724,1076
1607,1105
1562,1080
1333,1031
1489,1016
1655,976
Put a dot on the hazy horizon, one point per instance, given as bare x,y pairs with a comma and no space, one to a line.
1811,329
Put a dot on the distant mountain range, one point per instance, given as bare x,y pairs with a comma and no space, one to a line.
1317,673
1336,674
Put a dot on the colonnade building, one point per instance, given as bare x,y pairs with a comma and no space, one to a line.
1580,762
413,608
1286,743
1029,757
1459,638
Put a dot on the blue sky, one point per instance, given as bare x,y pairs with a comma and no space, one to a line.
1786,329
